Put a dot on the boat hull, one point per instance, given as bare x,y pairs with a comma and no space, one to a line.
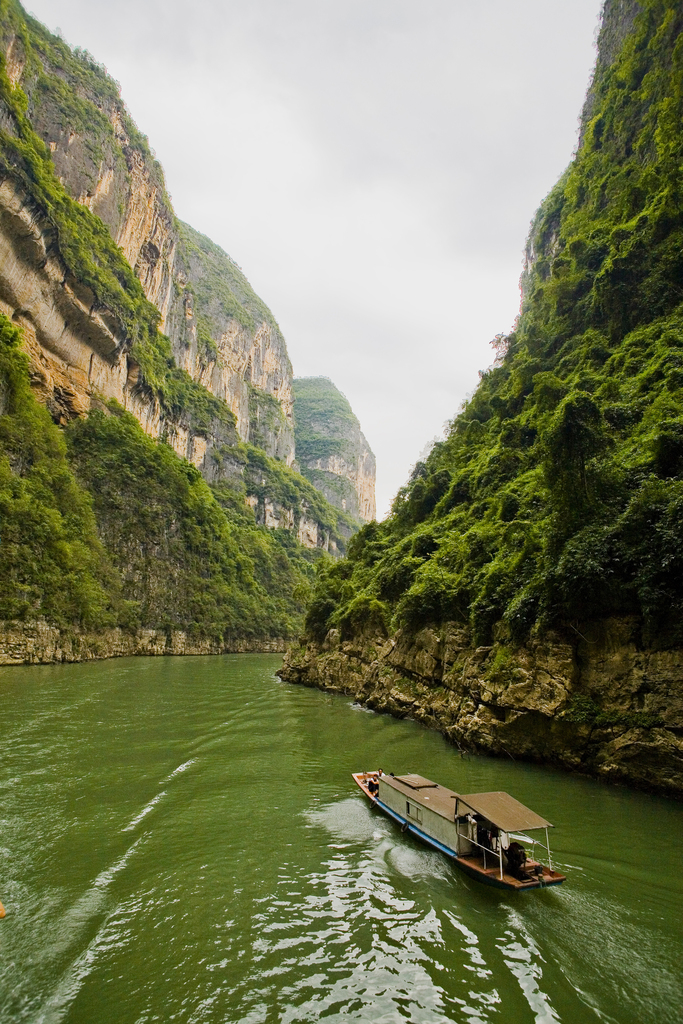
469,865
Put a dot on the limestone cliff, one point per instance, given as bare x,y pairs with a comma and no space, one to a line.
220,332
526,594
78,350
39,643
331,449
600,704
121,327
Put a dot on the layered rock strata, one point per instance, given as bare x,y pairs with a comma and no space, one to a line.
331,449
221,333
596,704
308,531
79,353
38,643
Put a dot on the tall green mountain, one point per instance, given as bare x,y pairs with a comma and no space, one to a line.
331,449
145,392
526,593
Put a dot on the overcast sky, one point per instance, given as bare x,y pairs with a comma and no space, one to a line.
372,165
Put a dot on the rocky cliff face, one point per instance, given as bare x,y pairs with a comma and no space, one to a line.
547,524
79,352
331,449
38,643
599,704
220,332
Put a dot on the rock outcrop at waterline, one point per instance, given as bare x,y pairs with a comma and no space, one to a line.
598,704
39,643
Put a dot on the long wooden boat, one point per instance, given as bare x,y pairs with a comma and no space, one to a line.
484,833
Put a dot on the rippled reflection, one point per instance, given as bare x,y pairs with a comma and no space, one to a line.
181,841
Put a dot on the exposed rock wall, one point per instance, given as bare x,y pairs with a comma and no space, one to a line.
597,704
331,449
224,336
308,531
37,643
78,352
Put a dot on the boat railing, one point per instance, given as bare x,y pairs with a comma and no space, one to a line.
486,849
535,842
527,839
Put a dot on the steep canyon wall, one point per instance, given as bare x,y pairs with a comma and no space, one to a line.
526,596
598,704
220,331
331,449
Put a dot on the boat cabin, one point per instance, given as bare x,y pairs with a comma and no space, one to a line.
484,832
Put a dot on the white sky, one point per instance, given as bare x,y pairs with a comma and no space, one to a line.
372,165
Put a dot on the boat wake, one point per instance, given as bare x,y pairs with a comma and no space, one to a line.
144,812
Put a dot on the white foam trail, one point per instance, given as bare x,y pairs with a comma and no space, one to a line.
57,1004
144,812
181,768
85,907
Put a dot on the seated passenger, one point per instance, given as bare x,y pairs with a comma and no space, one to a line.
373,787
516,858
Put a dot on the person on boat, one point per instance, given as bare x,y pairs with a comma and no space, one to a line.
487,835
373,786
516,859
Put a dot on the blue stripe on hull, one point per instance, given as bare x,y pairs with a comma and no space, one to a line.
417,831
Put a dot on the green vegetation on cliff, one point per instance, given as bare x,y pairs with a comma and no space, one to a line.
327,435
108,527
188,557
220,288
270,480
52,563
65,84
557,496
138,537
322,416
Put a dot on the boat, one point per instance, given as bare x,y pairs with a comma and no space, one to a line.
485,834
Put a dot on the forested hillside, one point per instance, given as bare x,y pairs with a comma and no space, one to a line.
145,390
526,593
557,495
102,526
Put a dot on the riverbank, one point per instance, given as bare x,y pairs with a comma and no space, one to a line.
39,643
598,704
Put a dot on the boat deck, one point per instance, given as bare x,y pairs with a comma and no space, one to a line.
473,865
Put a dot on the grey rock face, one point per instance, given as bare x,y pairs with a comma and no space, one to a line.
331,448
221,333
600,705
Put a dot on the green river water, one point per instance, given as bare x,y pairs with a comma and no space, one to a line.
182,841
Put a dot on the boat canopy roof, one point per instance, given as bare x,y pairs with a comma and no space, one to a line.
417,782
503,811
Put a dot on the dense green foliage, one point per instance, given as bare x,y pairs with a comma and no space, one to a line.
220,289
322,415
271,480
115,529
186,556
79,91
557,495
51,561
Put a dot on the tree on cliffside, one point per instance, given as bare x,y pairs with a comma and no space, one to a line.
557,494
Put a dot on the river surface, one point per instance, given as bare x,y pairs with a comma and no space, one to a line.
181,840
